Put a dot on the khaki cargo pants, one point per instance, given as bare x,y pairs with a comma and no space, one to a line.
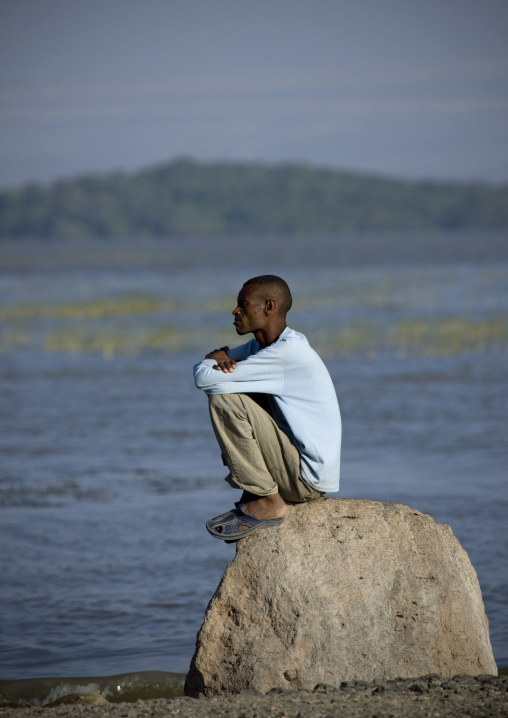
260,457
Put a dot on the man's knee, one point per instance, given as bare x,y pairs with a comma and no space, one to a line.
233,410
224,402
226,409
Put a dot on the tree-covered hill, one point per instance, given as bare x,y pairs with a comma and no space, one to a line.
192,198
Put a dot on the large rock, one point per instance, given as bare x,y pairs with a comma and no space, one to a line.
345,589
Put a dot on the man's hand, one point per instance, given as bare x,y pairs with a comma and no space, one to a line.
224,363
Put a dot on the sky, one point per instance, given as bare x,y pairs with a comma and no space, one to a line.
411,88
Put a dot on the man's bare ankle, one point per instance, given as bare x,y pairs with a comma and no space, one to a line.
266,507
247,496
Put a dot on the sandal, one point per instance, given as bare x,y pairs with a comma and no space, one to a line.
227,526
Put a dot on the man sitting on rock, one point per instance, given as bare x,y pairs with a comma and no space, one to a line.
274,412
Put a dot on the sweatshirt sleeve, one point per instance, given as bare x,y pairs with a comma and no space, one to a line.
262,372
241,352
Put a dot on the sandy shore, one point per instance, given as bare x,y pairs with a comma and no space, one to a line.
428,697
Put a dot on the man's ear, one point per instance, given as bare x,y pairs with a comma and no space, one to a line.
269,306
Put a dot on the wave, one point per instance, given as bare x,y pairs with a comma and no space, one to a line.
122,688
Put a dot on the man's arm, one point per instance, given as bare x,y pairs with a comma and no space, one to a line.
223,360
261,372
226,359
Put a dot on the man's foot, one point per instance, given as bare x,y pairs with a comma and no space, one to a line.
265,508
262,512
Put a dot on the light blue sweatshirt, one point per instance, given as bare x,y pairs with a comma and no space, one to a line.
303,400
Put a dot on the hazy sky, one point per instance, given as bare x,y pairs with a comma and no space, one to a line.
416,88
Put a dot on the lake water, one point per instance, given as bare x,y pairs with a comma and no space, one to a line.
109,467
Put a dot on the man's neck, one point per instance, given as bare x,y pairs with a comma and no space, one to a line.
268,336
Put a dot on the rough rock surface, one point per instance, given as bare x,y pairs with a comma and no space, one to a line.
346,589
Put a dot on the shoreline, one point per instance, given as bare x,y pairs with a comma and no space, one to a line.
431,696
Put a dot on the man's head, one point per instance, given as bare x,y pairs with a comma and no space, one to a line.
263,303
273,287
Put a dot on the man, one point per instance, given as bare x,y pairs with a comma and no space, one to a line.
274,412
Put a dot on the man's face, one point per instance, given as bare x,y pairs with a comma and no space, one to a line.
250,310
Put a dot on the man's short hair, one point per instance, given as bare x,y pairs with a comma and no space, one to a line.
275,288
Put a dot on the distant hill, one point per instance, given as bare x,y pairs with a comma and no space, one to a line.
193,198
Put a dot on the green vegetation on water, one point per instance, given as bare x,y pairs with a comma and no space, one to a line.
134,325
189,198
95,309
